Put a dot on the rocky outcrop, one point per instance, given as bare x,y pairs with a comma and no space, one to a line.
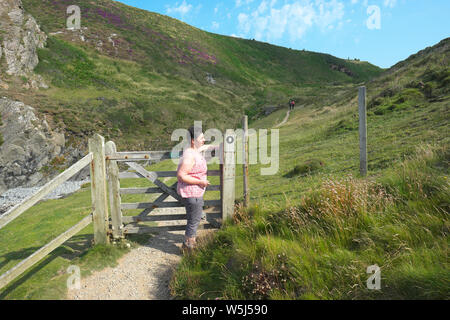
31,148
342,69
29,144
20,37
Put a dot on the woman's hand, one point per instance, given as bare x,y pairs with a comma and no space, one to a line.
204,183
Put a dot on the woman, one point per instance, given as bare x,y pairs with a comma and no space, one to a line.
192,183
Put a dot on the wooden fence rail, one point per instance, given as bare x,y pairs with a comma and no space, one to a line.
22,266
31,200
27,203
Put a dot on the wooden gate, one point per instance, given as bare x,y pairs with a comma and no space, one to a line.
105,176
168,206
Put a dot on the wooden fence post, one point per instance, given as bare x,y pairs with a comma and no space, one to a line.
98,189
245,164
362,131
112,171
228,175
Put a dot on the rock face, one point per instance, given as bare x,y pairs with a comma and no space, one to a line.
20,38
29,145
342,69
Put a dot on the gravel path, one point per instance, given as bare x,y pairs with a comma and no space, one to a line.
284,120
142,274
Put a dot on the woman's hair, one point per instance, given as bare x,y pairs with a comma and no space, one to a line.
194,132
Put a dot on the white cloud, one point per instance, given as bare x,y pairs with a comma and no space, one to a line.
390,3
244,23
329,13
182,9
215,25
242,2
294,19
215,10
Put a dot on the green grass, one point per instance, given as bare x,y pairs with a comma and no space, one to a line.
154,80
321,247
312,230
38,226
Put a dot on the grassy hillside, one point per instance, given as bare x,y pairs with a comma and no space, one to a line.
134,76
314,228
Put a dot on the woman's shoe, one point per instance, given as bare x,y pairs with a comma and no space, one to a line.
187,248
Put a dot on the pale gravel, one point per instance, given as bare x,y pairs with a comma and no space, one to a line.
142,274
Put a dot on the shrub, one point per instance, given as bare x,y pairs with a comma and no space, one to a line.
308,167
412,94
388,92
342,126
380,111
400,100
428,90
435,75
67,65
374,102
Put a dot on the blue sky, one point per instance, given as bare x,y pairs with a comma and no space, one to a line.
382,32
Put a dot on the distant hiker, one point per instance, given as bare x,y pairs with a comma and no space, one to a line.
291,104
192,183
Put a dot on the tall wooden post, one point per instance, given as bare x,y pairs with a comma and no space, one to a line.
98,189
362,131
112,170
228,174
245,164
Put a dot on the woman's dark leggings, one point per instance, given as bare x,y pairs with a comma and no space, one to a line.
194,208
